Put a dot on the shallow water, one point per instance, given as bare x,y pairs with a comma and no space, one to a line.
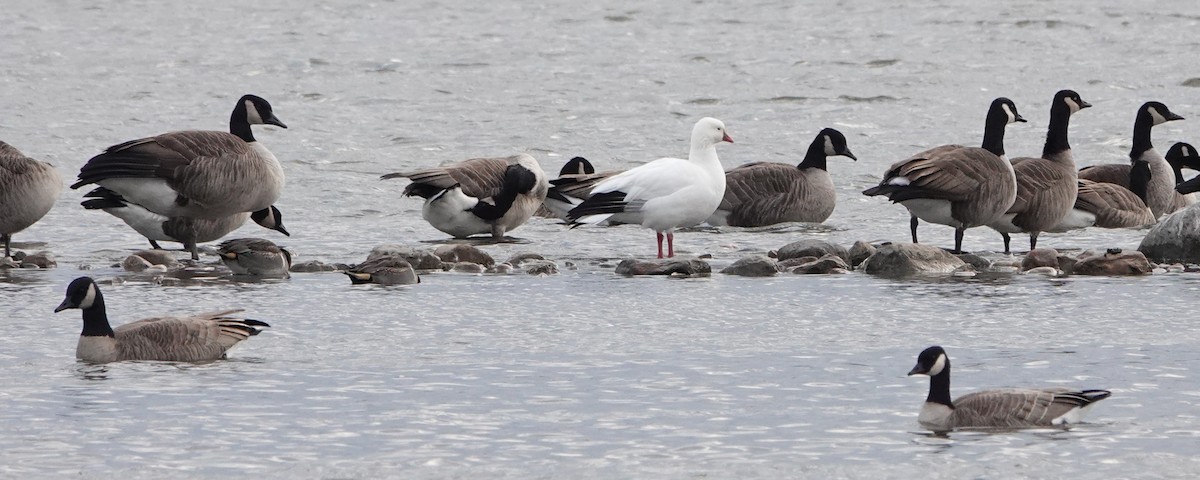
585,372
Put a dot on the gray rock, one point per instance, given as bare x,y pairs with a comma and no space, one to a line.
900,259
1175,239
499,269
977,263
138,264
1113,262
313,266
827,264
663,267
795,262
419,258
158,257
468,267
859,252
464,253
1067,263
38,260
811,248
1043,270
752,266
9,262
540,267
1040,257
518,259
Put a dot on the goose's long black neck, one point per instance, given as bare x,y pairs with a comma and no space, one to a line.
815,157
993,132
503,201
939,387
1056,135
1141,135
238,125
95,319
1139,179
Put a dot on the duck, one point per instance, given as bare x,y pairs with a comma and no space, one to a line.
28,190
384,270
1163,176
1002,408
1046,186
480,195
666,193
159,228
195,174
556,204
255,256
766,193
195,338
962,187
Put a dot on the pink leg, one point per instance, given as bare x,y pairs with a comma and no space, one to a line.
660,237
670,244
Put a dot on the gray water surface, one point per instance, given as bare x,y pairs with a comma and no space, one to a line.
586,373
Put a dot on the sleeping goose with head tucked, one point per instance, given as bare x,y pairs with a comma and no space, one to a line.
193,338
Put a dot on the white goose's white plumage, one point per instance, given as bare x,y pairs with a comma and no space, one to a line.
28,189
161,228
195,174
1001,408
666,193
479,195
194,338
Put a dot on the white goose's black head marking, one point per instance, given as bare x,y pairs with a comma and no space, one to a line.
81,294
932,361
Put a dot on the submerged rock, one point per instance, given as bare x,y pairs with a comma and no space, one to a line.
1043,270
468,267
312,266
419,258
976,262
827,264
39,260
752,266
1175,239
811,248
859,252
900,259
663,267
1112,262
1040,257
464,253
540,267
518,259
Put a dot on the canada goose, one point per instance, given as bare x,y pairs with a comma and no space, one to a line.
963,187
28,189
480,195
1106,205
766,193
1182,155
1160,190
1046,186
556,205
1005,408
195,338
384,270
157,227
255,256
195,174
666,193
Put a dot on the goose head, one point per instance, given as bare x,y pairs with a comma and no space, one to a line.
1004,110
708,132
1156,113
577,166
931,362
519,179
1183,155
81,293
270,218
835,144
1070,100
255,110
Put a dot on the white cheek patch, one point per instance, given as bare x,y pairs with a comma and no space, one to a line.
901,181
1012,117
938,366
1071,103
829,150
1187,152
1158,117
252,115
90,298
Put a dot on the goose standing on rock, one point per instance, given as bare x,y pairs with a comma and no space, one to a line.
1003,408
160,228
195,338
963,187
666,193
255,256
1160,190
28,189
195,174
1046,186
480,195
765,193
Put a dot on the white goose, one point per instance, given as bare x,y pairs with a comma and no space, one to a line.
666,193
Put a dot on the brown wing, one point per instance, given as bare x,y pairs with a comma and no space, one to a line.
949,172
187,339
1013,408
478,177
1040,186
169,156
1113,205
1113,173
767,193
